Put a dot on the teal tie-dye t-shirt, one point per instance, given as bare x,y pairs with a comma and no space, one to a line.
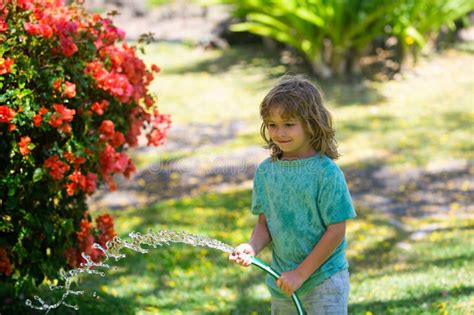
299,199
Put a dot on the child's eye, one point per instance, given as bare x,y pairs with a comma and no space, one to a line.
271,125
289,124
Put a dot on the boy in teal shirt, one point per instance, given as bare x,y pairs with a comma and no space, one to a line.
302,200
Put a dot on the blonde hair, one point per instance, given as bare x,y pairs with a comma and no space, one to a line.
296,97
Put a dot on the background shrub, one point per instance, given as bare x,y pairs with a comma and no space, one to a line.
333,35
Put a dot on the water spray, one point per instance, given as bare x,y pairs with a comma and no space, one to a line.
153,239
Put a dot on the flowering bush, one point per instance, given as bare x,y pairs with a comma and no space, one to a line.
73,98
87,236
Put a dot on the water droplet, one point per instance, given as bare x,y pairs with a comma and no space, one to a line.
113,249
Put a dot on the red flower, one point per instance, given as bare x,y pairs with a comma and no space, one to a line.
61,116
155,68
106,130
40,29
67,46
66,128
121,162
3,25
107,159
86,240
72,257
71,188
117,139
25,4
57,84
100,107
56,121
5,265
110,181
68,156
6,114
130,169
105,225
57,167
76,179
70,90
38,118
23,145
156,137
91,180
66,114
5,65
149,101
115,83
79,160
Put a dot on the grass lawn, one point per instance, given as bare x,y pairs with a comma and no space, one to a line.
394,270
423,119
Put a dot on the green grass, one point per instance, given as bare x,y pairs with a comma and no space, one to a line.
392,271
424,118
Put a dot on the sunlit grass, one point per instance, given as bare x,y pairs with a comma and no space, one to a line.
414,266
424,118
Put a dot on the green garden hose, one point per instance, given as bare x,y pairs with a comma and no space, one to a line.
276,275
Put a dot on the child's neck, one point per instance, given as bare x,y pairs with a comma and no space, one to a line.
299,156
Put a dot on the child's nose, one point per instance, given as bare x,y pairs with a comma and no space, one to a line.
282,132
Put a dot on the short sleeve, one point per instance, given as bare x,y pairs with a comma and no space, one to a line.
334,199
257,193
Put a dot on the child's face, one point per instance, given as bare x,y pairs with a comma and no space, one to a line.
289,135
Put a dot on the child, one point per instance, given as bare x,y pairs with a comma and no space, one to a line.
302,201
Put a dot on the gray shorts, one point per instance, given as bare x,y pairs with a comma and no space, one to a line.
328,298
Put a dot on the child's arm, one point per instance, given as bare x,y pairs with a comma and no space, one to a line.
291,281
259,239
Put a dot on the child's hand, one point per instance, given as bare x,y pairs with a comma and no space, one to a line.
241,254
290,281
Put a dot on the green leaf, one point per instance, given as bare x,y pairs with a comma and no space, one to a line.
38,174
